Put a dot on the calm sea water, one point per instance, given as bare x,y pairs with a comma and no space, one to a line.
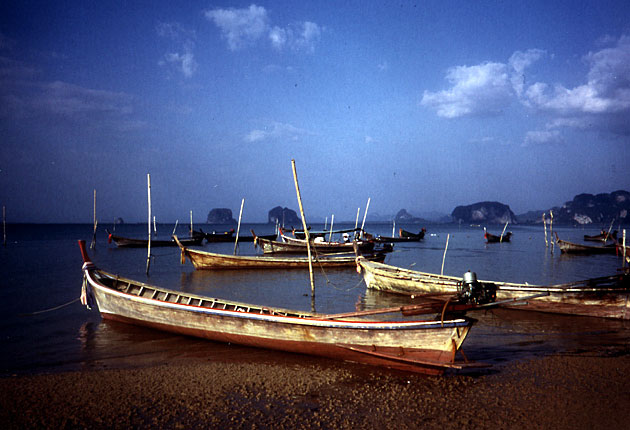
44,328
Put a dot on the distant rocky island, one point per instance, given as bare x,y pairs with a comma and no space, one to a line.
584,209
283,216
484,213
220,216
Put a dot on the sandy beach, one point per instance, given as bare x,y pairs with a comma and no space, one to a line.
587,390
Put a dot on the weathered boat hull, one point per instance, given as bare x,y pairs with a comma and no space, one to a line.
577,248
420,346
298,246
607,297
203,260
125,242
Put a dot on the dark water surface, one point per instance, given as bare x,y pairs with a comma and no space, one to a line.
45,329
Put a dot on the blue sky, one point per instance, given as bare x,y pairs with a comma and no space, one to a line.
416,105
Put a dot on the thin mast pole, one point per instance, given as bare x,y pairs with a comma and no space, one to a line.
365,215
444,256
149,223
238,229
308,239
93,244
332,222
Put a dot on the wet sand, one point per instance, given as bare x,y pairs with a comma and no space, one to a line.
579,391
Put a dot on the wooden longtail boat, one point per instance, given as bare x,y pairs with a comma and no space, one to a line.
578,248
403,236
291,245
607,296
492,238
411,345
210,260
228,236
603,236
126,242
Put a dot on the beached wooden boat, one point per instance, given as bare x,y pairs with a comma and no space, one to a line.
412,345
578,248
492,238
127,242
607,296
209,260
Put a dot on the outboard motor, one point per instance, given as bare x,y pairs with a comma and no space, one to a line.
470,290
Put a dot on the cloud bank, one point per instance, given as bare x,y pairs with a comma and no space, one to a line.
603,101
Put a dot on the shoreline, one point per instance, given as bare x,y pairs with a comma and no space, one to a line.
583,390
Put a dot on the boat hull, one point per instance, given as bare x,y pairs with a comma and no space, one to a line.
420,346
607,297
202,260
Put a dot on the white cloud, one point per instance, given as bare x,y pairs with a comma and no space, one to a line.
240,26
276,131
243,27
543,137
602,103
184,62
476,90
183,59
519,61
607,90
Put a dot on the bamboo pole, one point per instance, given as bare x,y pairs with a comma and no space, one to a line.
332,223
191,224
149,205
356,223
553,243
93,244
154,226
175,228
444,256
238,228
545,226
308,240
623,242
394,229
365,215
503,232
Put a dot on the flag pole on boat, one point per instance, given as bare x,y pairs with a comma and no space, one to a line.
149,223
308,240
238,228
191,225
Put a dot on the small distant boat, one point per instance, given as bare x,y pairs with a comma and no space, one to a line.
226,236
421,346
127,242
578,248
491,238
403,236
203,260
